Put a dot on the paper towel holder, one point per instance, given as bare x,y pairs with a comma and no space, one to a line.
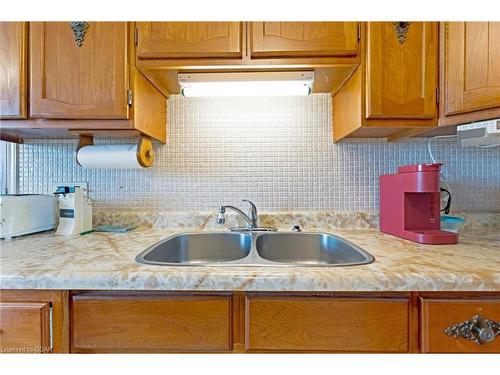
145,152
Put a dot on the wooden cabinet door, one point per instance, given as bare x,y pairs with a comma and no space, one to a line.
13,82
284,39
24,327
326,324
189,39
78,82
401,70
472,66
127,322
438,314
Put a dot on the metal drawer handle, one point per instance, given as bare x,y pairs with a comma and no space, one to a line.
477,329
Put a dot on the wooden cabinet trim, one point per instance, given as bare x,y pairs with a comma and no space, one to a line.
142,294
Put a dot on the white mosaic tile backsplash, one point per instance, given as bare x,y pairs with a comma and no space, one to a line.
277,152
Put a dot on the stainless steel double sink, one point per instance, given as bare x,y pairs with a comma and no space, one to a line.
254,249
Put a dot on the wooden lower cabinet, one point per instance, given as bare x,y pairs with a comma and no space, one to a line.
455,315
327,324
33,321
117,322
259,322
26,326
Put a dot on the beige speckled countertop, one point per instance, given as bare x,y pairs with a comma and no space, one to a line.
106,261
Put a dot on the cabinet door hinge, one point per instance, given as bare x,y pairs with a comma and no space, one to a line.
130,97
51,328
437,95
359,32
136,35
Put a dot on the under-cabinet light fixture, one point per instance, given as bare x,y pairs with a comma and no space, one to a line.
247,84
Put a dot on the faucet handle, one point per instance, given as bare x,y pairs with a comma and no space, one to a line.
253,212
253,208
250,203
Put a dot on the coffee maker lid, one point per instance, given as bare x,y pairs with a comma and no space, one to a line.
436,167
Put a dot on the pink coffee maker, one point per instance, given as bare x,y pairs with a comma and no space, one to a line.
410,205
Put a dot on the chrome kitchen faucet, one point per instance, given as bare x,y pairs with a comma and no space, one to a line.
251,220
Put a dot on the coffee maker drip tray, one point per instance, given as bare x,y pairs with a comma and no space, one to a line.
431,236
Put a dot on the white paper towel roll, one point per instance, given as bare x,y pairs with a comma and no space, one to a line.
109,157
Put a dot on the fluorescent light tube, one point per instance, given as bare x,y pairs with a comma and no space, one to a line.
246,84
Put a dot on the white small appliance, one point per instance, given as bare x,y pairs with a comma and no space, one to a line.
22,214
480,134
75,210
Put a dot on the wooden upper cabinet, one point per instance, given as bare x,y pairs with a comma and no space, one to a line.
300,39
13,83
395,87
471,68
189,39
401,70
25,327
78,82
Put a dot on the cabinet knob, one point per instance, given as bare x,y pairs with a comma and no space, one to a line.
478,329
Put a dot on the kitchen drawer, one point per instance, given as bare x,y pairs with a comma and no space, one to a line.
326,324
123,322
436,315
25,327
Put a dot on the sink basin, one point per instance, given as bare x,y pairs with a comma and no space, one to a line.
254,249
198,248
310,249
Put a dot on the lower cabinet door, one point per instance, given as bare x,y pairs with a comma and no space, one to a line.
327,324
117,322
25,327
460,325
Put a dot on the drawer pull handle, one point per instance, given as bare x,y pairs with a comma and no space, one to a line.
477,329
